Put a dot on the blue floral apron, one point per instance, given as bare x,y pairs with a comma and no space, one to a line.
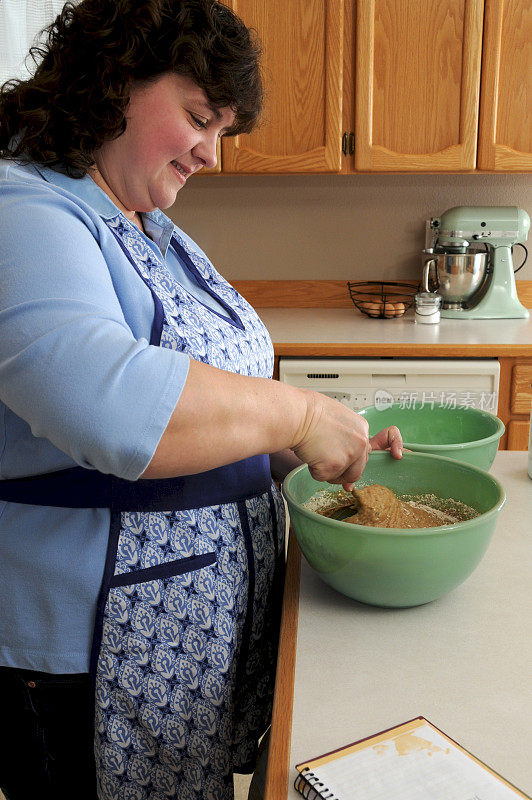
186,629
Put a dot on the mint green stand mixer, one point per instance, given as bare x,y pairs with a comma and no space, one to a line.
476,283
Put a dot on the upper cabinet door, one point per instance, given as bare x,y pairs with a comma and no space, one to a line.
301,129
417,69
505,141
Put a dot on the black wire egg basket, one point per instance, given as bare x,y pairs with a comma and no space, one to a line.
382,299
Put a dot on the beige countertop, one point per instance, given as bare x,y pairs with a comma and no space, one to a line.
306,331
462,661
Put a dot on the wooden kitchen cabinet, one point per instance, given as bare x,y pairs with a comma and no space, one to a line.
390,86
417,84
518,431
417,99
505,137
399,103
515,401
301,129
521,392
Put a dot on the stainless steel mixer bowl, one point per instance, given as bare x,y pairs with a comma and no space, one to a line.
457,276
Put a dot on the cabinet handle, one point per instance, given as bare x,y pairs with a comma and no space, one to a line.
351,143
344,143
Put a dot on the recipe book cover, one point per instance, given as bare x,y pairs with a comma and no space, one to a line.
411,761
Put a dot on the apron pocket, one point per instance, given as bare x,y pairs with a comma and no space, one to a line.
143,620
169,569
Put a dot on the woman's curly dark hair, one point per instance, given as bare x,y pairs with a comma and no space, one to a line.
95,51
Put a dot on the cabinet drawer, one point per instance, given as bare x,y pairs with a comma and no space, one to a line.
521,394
518,435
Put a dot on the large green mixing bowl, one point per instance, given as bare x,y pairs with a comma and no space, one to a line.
466,434
398,567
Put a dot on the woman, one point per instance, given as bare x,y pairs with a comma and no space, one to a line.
142,536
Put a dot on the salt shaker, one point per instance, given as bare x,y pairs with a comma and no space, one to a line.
427,307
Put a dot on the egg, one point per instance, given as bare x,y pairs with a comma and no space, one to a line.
389,310
370,308
399,309
374,309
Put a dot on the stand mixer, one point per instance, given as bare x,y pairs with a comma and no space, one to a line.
474,283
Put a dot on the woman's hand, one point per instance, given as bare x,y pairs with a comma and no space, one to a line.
336,445
333,441
388,439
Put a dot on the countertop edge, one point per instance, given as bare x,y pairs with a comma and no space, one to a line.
277,774
382,349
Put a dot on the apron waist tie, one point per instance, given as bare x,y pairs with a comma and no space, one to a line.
78,487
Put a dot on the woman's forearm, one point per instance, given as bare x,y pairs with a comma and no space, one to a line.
222,417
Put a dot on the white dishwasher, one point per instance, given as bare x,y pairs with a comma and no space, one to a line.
412,382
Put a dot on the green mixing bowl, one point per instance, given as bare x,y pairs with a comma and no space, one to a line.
466,434
391,566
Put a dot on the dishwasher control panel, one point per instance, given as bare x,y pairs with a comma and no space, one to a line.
412,382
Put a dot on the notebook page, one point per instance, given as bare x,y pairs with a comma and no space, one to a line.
416,765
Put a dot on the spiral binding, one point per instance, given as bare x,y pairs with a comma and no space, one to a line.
307,784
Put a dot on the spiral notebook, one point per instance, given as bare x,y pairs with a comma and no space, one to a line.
412,761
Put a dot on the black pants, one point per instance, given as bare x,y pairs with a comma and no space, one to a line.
46,736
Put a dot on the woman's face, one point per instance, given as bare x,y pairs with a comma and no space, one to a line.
172,131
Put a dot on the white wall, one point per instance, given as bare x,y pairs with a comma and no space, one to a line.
352,227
